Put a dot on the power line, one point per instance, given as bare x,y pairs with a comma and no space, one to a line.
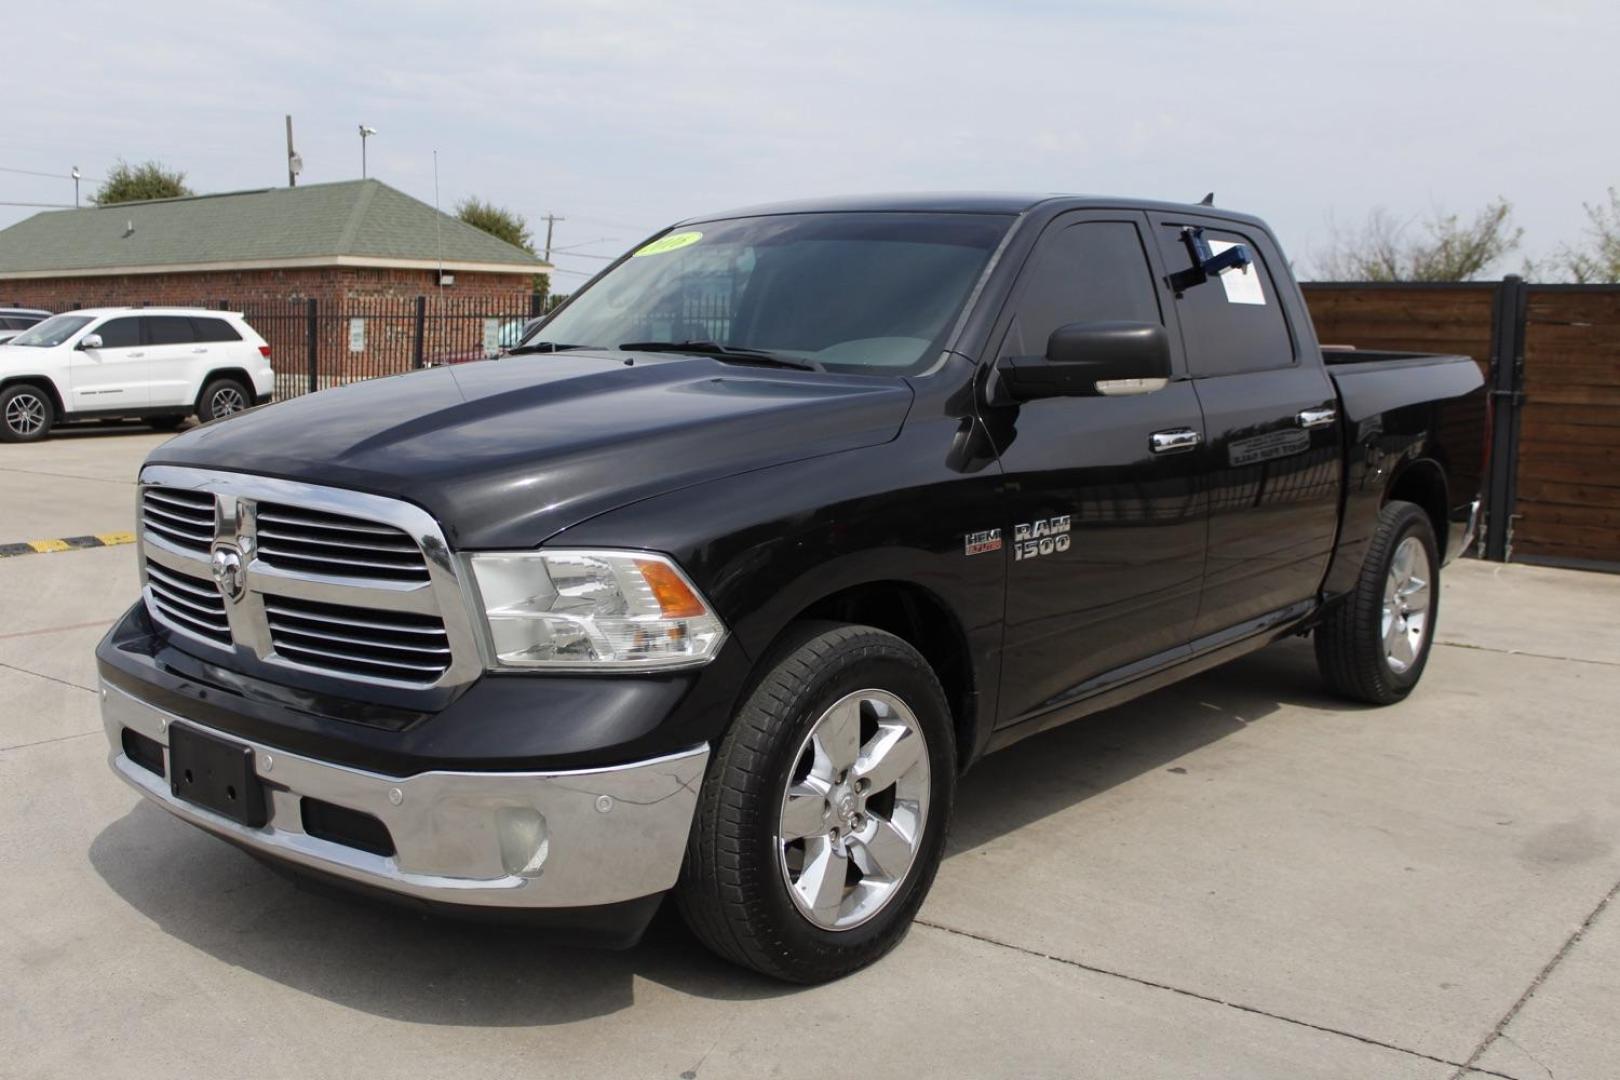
50,175
616,225
41,205
587,243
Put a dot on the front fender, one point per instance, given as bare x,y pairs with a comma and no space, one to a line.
766,546
58,392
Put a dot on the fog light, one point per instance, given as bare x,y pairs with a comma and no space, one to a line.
524,843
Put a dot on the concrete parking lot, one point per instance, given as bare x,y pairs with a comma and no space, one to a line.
1235,877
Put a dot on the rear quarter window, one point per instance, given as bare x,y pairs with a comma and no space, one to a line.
214,330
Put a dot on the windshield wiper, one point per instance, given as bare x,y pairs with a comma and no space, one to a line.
734,353
541,347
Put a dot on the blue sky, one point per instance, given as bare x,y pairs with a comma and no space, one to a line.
624,115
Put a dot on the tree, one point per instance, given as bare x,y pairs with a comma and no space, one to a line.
498,221
1381,249
1601,261
133,183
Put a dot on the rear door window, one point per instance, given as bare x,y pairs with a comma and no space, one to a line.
169,330
1229,326
120,333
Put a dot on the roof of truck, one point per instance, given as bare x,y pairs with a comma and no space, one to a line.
962,202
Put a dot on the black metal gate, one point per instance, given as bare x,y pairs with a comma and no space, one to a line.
314,346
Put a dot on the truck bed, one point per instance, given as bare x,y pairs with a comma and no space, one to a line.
1346,355
1398,408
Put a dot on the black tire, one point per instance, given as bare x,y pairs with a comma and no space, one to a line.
211,402
26,413
1350,650
732,891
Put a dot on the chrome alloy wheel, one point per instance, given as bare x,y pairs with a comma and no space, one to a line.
855,809
1406,604
226,400
25,414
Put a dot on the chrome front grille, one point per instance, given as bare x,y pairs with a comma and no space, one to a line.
183,518
267,574
312,542
195,603
400,645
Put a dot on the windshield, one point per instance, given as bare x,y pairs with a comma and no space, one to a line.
53,331
852,292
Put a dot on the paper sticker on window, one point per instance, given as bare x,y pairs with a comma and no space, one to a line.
1242,284
672,242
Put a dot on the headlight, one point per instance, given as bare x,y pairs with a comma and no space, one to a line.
599,610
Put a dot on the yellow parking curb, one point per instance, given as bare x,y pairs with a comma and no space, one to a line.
67,543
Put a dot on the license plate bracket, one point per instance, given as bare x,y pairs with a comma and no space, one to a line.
216,774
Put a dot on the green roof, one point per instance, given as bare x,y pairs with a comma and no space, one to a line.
354,222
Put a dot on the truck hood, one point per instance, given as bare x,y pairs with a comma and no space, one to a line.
507,453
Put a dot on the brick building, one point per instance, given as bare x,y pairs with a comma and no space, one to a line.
340,243
343,280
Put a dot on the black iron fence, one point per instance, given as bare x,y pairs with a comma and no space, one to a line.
315,345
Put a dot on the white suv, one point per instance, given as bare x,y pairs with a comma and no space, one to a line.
156,364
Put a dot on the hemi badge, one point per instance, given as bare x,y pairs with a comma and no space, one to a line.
980,542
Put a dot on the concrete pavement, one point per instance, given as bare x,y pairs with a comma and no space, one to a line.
1235,877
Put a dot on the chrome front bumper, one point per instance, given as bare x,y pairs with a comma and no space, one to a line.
509,840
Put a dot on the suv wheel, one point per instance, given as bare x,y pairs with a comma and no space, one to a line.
822,818
223,397
26,413
1373,646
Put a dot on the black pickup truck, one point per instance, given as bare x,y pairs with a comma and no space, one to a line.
721,580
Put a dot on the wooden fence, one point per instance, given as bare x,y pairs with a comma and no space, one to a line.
1552,353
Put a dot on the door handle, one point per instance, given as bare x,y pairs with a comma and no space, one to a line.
135,355
1175,442
1310,418
199,350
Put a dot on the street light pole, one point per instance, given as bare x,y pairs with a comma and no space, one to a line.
76,186
365,133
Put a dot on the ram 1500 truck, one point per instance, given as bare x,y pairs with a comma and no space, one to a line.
717,585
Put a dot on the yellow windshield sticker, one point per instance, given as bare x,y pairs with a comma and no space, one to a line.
672,242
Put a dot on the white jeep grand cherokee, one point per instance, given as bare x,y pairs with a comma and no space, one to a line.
155,364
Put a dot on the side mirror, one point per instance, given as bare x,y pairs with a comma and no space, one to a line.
90,341
1090,360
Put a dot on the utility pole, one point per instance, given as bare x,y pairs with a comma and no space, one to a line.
295,164
76,175
550,220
